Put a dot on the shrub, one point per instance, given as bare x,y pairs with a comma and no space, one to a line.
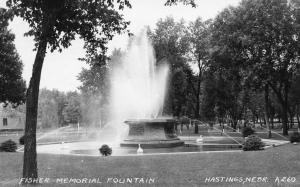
8,146
21,140
247,131
253,143
105,150
295,137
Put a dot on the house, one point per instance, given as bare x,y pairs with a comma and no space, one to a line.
11,119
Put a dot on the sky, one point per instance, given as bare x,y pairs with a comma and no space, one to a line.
60,70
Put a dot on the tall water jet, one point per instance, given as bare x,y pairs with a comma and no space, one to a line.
137,97
138,85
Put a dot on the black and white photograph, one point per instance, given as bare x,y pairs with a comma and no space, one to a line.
149,93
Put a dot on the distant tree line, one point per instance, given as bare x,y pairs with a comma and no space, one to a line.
57,109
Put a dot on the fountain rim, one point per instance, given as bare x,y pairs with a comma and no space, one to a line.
150,120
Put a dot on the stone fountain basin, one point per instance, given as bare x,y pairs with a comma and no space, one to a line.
151,133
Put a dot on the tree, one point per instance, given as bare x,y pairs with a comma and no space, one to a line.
199,39
209,106
171,44
12,86
262,36
50,108
274,55
229,95
294,97
186,2
72,109
95,89
47,110
95,80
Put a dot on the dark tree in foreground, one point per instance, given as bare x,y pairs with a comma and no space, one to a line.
54,24
12,86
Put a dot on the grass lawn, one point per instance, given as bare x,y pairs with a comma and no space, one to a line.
261,132
167,170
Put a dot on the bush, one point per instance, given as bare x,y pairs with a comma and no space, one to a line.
8,146
105,150
21,140
295,137
247,131
253,143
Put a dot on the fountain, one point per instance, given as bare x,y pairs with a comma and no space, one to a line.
137,97
152,133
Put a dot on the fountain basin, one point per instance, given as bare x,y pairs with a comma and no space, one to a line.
152,133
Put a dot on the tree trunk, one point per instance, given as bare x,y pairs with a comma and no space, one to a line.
297,115
257,120
283,100
234,124
267,110
196,128
285,111
272,122
30,156
272,114
253,120
260,122
298,120
292,114
197,110
198,91
284,120
291,121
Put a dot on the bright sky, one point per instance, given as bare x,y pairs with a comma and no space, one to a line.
60,70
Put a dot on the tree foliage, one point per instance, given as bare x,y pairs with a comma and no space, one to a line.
12,86
171,44
72,109
96,22
50,109
95,89
185,2
260,40
199,38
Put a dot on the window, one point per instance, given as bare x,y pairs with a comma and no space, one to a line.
4,121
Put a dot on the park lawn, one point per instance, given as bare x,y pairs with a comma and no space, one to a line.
168,170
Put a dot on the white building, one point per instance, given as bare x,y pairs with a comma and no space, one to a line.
11,119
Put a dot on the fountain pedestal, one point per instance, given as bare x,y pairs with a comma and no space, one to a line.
152,133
